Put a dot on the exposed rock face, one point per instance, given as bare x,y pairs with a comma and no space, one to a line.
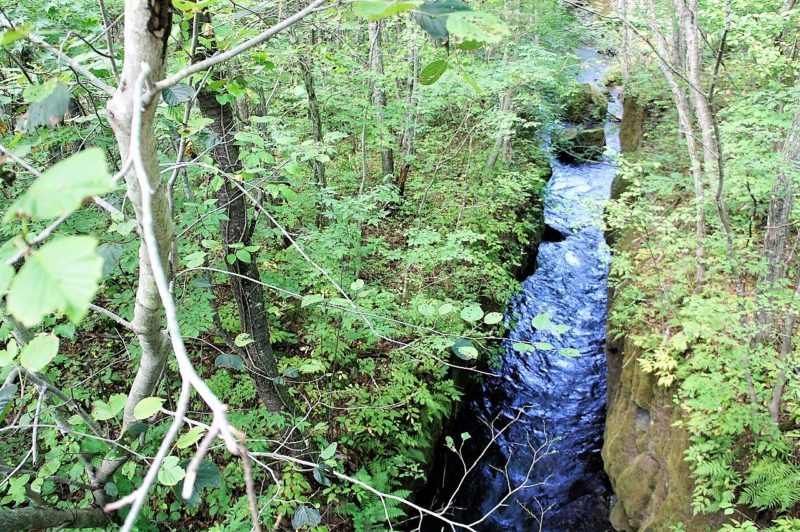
589,105
643,451
579,145
631,129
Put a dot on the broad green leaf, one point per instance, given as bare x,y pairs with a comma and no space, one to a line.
426,310
319,475
39,352
377,9
102,411
432,17
523,347
208,475
476,26
561,328
61,277
64,186
543,346
171,472
446,309
471,313
464,349
311,366
242,340
311,299
147,407
492,318
542,322
229,361
191,437
6,274
468,46
328,452
305,517
178,94
357,285
49,103
569,352
10,35
432,72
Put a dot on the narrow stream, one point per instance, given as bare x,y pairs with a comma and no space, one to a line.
552,449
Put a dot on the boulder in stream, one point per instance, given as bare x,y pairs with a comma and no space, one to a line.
574,144
588,105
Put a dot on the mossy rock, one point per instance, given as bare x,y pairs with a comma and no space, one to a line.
588,105
573,144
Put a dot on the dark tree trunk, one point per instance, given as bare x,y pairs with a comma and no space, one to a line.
313,110
238,229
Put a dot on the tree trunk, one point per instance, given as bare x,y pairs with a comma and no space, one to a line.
41,517
238,230
147,28
313,110
684,117
379,96
409,131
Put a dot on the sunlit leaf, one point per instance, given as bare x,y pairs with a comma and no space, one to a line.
147,407
37,353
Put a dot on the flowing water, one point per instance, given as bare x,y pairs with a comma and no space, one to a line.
548,457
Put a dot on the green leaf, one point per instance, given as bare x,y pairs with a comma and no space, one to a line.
426,310
178,94
62,276
103,411
208,475
147,407
319,475
229,361
377,9
464,349
446,309
561,328
328,452
311,299
191,437
242,340
10,35
171,472
64,186
471,82
357,285
569,352
432,72
49,103
472,313
468,46
305,517
432,17
542,322
39,352
544,346
492,318
476,26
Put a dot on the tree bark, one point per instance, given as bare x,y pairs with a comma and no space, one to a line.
41,517
147,28
409,131
238,229
379,96
684,117
313,110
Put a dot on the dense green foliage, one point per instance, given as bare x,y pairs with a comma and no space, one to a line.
706,342
367,290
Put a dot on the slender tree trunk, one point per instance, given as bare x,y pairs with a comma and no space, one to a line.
379,96
409,131
147,28
238,230
306,66
684,117
42,517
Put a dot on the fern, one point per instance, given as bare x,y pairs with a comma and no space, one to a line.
370,513
772,485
